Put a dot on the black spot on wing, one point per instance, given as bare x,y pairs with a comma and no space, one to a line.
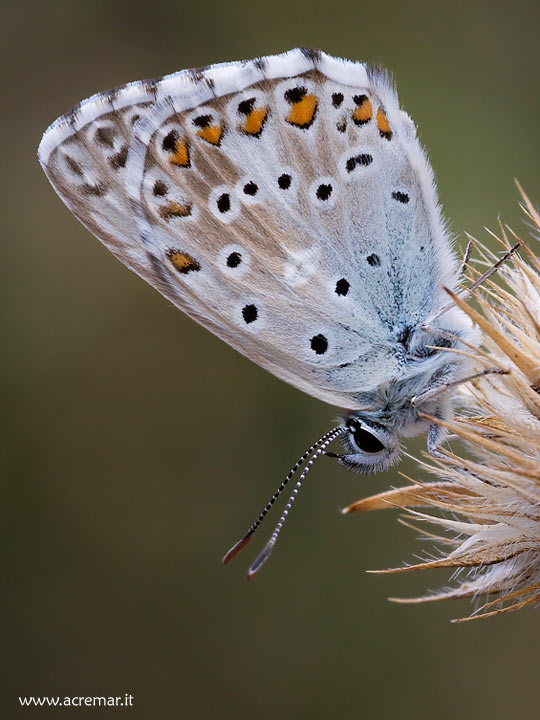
324,191
400,197
363,159
284,181
246,106
342,287
202,121
169,141
234,259
224,203
295,95
249,313
251,188
319,344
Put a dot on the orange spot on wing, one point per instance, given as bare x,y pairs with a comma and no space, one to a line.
212,134
183,262
383,124
363,112
303,112
255,120
174,209
180,155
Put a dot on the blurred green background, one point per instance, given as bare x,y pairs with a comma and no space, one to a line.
138,447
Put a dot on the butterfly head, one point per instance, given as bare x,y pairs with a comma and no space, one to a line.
370,447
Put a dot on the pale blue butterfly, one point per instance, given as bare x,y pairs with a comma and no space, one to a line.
286,204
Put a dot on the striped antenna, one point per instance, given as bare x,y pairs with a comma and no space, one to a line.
265,554
247,537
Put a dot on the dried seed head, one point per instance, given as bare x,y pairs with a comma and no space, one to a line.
487,509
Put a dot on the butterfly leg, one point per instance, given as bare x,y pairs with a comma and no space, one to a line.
466,256
436,433
436,436
447,386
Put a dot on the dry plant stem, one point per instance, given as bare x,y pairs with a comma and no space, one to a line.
486,499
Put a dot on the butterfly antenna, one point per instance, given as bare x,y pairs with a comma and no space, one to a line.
247,537
265,554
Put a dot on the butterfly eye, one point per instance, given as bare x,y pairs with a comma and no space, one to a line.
363,439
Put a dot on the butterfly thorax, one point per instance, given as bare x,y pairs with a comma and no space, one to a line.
424,362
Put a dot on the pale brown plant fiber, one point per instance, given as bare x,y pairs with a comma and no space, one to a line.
486,500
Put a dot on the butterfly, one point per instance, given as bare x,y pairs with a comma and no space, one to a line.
286,204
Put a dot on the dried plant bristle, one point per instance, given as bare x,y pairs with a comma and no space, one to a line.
487,499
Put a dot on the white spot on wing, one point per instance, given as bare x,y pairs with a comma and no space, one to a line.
300,266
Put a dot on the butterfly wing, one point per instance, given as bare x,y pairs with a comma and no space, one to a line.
284,203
